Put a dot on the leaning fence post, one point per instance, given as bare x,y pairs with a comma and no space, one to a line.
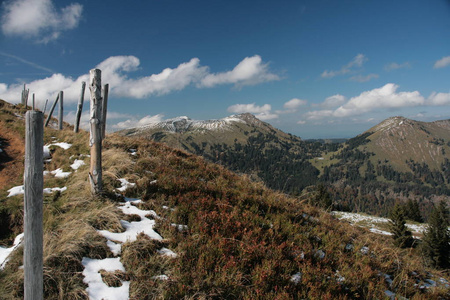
80,107
51,111
60,111
33,206
104,108
45,106
95,141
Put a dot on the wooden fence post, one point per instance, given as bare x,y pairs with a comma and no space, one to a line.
33,206
51,111
45,106
95,141
60,111
80,107
25,95
104,108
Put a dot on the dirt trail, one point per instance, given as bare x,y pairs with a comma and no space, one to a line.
11,167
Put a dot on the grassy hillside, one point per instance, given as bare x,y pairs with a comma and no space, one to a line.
237,239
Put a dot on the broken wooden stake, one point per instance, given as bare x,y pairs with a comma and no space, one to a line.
104,108
51,111
80,107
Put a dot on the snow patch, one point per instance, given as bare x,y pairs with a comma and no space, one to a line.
59,173
56,189
77,164
125,184
5,252
63,145
97,289
296,278
17,190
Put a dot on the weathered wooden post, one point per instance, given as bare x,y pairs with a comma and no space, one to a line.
80,107
60,111
104,108
32,106
51,111
45,106
95,141
33,206
25,94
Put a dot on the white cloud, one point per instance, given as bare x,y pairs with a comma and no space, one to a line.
439,99
396,66
384,97
443,62
356,62
250,71
115,71
318,114
362,78
294,103
261,112
301,122
39,19
249,108
133,122
333,101
266,116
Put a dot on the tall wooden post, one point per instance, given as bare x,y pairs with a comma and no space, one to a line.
60,111
32,106
33,206
104,108
80,107
51,111
95,141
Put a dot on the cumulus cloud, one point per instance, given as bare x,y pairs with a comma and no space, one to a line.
261,112
333,101
439,99
356,62
318,114
362,78
384,97
116,70
249,108
250,71
294,103
395,66
442,63
39,19
133,122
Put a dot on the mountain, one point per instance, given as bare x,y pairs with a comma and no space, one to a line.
399,139
397,159
184,133
244,144
171,225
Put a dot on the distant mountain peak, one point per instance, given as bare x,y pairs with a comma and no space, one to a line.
391,123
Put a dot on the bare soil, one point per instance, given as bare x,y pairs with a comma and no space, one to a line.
12,158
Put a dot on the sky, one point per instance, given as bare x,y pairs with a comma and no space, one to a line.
313,68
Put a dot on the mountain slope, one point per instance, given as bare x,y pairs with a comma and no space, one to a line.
399,139
187,134
234,238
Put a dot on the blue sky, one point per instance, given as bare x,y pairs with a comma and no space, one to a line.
316,69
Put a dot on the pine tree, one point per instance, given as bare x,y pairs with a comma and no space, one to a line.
437,237
412,211
401,235
323,198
